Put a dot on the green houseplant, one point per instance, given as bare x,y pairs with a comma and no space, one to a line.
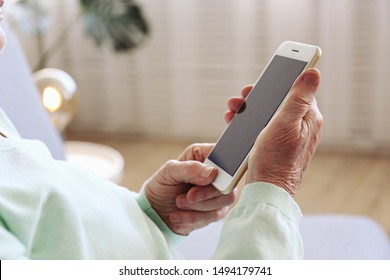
118,23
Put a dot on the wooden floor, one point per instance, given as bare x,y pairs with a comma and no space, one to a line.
333,183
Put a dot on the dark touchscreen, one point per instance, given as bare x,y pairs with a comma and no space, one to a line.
259,107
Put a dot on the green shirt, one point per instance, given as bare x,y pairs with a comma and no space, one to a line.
50,209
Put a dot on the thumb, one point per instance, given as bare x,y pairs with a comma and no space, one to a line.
302,94
190,172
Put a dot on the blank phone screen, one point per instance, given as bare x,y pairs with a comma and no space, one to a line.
258,109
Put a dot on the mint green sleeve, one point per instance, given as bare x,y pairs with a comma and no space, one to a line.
144,204
11,247
263,225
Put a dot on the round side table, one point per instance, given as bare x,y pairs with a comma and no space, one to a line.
100,159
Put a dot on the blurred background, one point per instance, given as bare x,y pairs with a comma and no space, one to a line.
171,88
198,53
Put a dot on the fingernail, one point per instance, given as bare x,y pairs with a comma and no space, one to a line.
199,197
207,171
310,78
183,203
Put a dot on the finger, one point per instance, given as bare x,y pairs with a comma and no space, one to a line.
197,193
302,94
181,230
234,103
229,115
203,193
314,113
246,90
195,219
211,204
313,123
197,152
188,172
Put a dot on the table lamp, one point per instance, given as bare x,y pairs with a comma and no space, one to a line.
58,95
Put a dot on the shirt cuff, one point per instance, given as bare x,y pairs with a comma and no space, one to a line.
145,205
263,192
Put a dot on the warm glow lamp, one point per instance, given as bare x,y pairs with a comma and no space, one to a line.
58,94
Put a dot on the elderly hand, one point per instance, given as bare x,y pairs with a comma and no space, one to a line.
180,192
286,145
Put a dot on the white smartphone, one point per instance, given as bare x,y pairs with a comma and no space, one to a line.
230,154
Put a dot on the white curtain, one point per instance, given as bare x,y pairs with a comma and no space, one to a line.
201,52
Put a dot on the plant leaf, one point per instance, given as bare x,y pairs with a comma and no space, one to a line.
119,23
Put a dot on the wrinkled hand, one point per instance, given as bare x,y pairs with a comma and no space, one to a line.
181,192
285,147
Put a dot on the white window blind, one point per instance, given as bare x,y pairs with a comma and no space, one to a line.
201,52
